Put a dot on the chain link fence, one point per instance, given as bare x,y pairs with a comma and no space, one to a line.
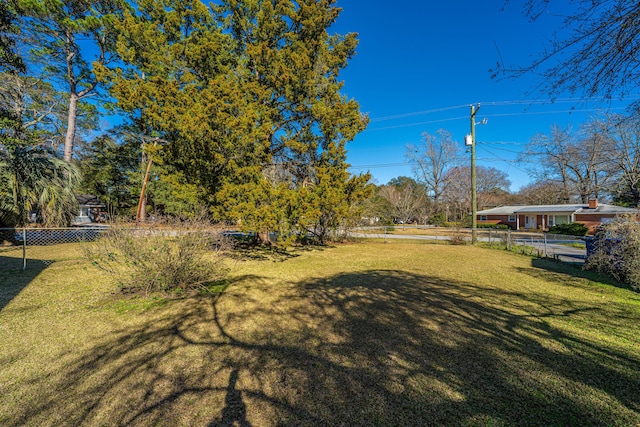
16,243
12,239
557,246
560,247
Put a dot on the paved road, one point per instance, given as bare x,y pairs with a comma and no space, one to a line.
397,236
554,250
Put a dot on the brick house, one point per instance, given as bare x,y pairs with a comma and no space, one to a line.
541,217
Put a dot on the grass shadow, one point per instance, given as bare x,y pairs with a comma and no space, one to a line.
557,269
376,347
272,253
13,279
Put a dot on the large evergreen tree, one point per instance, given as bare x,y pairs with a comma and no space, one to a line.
56,31
9,59
244,97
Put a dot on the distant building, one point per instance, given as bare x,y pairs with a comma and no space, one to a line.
541,217
90,210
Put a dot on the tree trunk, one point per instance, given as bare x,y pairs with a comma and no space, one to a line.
71,127
264,238
142,217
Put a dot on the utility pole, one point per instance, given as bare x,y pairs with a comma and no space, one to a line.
474,201
470,140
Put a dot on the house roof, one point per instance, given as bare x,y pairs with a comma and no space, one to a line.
89,200
554,209
500,210
610,209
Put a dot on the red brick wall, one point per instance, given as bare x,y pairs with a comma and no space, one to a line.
498,219
592,221
592,217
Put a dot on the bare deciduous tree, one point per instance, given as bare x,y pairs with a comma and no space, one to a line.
579,161
625,158
405,197
543,192
433,160
595,52
492,189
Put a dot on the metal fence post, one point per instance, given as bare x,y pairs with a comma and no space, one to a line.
24,249
545,245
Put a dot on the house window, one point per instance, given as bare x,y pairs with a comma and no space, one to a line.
561,219
483,217
558,219
84,211
512,218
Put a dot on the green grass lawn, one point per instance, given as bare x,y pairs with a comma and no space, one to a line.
392,334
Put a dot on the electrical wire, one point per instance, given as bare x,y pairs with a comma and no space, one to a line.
498,103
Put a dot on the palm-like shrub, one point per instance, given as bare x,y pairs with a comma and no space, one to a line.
34,178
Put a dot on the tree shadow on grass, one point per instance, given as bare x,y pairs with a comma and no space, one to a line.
234,412
366,348
273,253
554,270
13,279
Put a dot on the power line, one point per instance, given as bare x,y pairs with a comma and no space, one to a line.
416,113
499,103
549,101
524,113
382,165
512,163
417,124
536,113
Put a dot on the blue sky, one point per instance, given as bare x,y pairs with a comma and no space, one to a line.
420,64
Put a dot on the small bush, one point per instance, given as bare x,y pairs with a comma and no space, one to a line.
458,238
573,229
169,258
456,224
496,226
439,220
617,251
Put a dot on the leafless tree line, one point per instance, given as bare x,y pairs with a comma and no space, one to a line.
600,159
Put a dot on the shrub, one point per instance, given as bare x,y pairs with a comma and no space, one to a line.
496,226
439,220
169,258
617,250
458,238
573,229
